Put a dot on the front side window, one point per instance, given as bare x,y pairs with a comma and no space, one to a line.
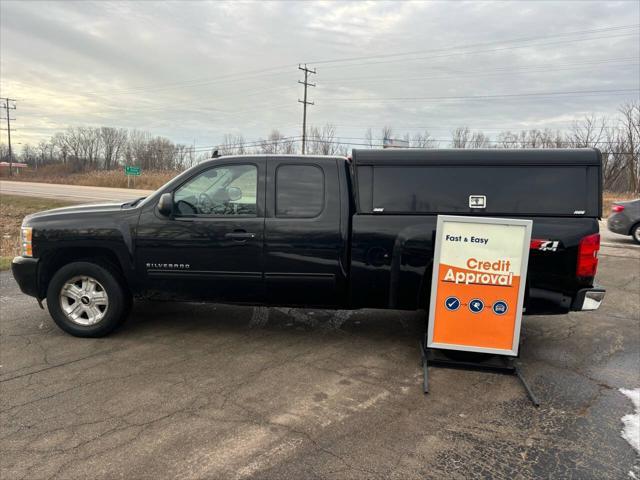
299,191
221,191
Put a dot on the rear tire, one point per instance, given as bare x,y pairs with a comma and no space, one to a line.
87,299
635,233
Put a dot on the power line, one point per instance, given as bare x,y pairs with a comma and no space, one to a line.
466,46
487,140
199,103
278,70
491,72
304,102
491,50
528,144
472,97
8,107
250,143
198,82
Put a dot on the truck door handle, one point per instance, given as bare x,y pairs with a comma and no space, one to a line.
240,235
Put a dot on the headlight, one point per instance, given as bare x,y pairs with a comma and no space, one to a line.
26,236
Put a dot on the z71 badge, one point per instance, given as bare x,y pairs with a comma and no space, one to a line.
544,245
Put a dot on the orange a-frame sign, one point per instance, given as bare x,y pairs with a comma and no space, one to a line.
477,287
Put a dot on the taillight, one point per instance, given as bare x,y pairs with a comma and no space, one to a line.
617,208
588,256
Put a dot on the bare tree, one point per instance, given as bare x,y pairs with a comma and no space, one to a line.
113,142
614,161
160,154
288,146
61,144
630,125
180,154
137,152
4,152
191,156
273,142
29,155
479,140
44,153
587,133
323,141
387,132
70,142
423,140
508,139
368,135
460,137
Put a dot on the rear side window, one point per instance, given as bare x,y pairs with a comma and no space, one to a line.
299,191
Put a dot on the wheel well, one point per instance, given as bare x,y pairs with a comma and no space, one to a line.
51,264
632,227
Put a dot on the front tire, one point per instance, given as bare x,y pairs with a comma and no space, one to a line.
635,233
88,300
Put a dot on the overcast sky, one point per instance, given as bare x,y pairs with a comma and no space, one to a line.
193,71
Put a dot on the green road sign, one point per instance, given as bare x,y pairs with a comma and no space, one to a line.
136,171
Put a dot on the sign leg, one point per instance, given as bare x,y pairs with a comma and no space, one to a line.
527,388
425,368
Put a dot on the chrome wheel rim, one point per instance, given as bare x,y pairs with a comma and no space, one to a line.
84,300
636,233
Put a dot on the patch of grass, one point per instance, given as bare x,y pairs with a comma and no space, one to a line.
5,263
58,173
13,209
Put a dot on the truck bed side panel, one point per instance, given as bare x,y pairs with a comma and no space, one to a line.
392,259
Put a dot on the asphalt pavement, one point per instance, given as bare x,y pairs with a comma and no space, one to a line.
72,193
196,391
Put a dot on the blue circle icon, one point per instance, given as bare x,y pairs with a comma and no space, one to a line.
476,305
500,307
452,303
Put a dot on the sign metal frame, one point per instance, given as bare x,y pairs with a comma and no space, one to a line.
442,219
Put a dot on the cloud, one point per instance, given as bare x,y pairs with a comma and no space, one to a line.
197,70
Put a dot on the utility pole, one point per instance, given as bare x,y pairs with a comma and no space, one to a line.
304,102
8,107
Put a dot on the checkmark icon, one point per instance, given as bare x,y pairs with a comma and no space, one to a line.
452,303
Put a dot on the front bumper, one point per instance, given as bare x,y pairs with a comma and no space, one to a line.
25,271
588,299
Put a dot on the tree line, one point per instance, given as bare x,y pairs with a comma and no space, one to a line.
91,148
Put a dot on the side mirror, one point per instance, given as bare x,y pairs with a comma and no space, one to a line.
234,193
165,205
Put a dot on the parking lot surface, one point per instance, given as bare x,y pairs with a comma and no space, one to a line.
196,391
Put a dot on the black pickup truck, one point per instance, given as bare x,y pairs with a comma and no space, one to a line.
310,231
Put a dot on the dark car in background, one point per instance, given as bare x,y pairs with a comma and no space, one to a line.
625,219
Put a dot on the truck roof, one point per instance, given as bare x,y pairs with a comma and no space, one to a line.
488,156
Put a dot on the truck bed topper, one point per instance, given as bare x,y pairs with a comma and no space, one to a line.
487,182
486,156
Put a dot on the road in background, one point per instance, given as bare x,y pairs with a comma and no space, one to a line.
73,193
